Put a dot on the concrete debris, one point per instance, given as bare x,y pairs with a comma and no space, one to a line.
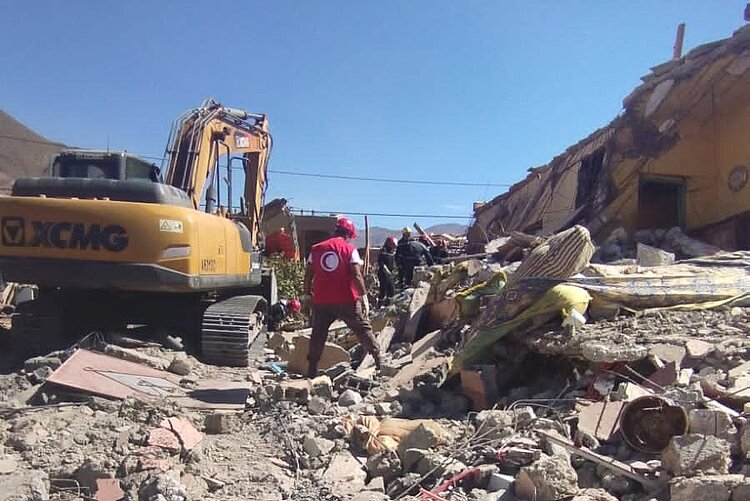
599,404
345,474
8,465
548,479
135,356
349,398
709,488
218,423
317,446
693,454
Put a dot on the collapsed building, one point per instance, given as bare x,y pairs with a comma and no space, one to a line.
676,156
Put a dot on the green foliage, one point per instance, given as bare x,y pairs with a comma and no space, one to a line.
290,276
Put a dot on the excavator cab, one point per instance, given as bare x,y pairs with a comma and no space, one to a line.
93,164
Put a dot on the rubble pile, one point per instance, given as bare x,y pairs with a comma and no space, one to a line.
539,380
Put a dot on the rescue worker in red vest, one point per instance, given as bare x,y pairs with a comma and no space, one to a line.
335,285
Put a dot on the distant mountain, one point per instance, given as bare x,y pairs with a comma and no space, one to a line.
378,234
23,152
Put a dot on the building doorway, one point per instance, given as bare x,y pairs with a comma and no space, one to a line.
661,203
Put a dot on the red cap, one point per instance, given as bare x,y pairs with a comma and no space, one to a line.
295,305
346,224
391,242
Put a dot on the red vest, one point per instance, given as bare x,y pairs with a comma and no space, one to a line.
332,276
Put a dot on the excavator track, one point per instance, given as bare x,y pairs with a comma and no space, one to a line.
228,329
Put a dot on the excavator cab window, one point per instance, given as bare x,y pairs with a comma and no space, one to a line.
136,168
89,168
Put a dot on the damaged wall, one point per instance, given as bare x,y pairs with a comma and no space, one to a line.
676,156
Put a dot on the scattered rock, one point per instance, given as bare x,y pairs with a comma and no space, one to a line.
384,464
377,484
594,495
162,487
349,398
317,446
693,454
295,391
548,479
345,473
40,375
7,465
35,363
713,422
89,472
221,422
422,437
317,406
495,424
705,488
698,349
181,366
135,356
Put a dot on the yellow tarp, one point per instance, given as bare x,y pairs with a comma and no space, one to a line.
555,301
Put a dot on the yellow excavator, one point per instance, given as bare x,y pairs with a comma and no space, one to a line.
113,241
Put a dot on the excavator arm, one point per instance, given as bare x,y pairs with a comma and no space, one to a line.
200,137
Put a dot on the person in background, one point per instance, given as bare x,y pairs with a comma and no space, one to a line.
411,253
386,268
281,242
438,251
401,252
335,286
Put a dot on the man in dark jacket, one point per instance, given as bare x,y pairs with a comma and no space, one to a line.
411,253
386,267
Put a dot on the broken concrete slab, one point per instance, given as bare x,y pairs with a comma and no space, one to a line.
669,353
651,256
221,422
317,446
345,473
332,354
713,422
186,433
593,495
164,438
601,419
108,489
294,390
693,454
698,349
706,487
112,377
8,465
422,437
415,311
495,424
548,479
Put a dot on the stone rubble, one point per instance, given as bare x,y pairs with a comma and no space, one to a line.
539,417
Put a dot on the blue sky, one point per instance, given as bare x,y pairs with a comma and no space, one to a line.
474,91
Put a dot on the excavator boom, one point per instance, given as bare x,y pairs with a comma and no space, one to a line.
197,141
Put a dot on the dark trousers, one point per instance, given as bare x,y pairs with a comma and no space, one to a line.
387,287
353,316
